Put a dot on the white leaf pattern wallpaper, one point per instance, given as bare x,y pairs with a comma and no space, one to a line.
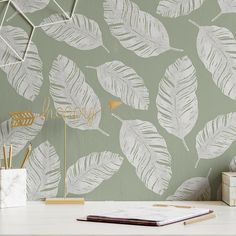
43,172
170,65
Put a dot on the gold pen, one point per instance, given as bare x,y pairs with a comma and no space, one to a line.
5,156
10,157
200,218
165,205
26,155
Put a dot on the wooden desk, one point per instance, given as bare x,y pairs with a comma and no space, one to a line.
57,220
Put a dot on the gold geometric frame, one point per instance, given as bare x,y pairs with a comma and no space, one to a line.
22,59
11,3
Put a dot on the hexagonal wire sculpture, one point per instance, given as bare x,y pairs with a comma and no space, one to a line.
11,3
21,59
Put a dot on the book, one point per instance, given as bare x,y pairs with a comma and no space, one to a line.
147,216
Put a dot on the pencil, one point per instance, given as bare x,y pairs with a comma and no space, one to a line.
200,218
26,155
10,157
165,205
5,156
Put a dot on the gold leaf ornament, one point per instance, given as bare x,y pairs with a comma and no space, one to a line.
19,119
113,104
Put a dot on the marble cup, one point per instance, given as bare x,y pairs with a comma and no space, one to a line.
12,188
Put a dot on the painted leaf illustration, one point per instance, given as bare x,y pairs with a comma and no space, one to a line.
146,150
232,165
81,32
194,189
30,6
216,48
226,6
175,8
91,170
43,172
216,137
71,93
123,82
136,30
25,77
176,99
19,136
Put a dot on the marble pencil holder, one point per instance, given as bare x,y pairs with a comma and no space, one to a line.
12,187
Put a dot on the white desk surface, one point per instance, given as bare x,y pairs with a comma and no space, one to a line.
57,220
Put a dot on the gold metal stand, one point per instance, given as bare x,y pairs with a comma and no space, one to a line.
65,200
80,201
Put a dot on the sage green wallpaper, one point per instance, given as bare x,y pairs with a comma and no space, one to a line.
144,91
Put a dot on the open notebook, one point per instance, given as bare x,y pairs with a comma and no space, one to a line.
149,216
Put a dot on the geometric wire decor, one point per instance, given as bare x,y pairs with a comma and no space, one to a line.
27,118
34,27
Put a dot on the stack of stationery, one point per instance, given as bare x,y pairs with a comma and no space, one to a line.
229,188
151,216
